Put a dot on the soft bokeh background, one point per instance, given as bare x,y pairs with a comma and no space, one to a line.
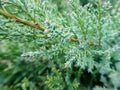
31,61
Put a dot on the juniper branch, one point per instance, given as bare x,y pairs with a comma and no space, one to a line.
37,26
26,35
17,19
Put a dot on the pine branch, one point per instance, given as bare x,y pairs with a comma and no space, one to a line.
16,19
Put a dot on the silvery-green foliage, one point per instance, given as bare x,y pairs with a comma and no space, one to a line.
102,88
96,30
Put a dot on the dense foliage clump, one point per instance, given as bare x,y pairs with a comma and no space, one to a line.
59,45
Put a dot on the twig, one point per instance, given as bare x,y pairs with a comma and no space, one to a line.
37,26
16,19
74,40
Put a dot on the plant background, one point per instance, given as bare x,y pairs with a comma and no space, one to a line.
78,50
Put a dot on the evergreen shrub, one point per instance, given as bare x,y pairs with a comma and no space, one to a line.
44,46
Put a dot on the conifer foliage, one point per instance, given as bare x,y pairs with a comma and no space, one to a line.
59,45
